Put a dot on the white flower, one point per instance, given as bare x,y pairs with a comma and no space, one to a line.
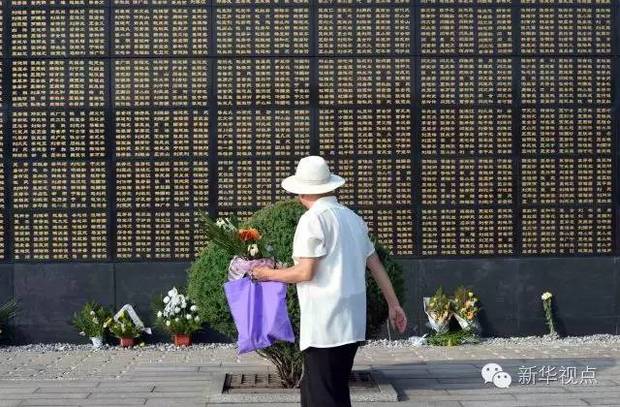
95,320
193,308
177,309
82,333
546,295
225,224
177,319
188,317
197,318
92,313
253,249
167,323
159,314
173,292
166,300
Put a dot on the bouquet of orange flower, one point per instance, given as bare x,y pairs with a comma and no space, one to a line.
244,244
465,309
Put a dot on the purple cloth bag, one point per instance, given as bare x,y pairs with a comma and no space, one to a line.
260,313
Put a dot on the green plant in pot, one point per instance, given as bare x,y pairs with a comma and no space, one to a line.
90,321
277,223
124,329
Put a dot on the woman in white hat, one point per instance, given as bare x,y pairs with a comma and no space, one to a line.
331,251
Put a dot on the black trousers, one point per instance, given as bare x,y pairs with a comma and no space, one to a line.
325,382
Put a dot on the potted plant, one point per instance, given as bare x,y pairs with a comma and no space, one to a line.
90,321
124,329
178,315
438,309
465,309
8,311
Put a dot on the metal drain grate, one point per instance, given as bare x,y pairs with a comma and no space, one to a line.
262,382
252,381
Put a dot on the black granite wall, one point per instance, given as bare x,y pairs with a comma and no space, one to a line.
586,290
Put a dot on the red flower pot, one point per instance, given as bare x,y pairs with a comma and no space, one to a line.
128,342
182,340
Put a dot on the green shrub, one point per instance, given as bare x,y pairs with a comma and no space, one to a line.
277,224
8,310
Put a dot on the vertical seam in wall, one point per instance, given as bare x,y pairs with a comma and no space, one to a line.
7,144
212,106
615,143
516,119
110,133
313,85
615,117
416,126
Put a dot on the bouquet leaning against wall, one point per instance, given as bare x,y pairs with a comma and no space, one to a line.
465,308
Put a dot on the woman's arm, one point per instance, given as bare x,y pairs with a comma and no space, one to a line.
302,271
397,315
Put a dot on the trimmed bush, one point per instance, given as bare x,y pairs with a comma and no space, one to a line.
277,224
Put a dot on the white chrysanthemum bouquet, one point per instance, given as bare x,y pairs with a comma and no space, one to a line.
177,314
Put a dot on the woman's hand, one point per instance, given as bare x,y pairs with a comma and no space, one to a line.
261,273
398,318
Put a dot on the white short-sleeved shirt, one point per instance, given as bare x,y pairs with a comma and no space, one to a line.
333,303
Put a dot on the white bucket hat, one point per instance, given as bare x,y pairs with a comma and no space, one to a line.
312,177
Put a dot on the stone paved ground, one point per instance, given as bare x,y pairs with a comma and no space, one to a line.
423,376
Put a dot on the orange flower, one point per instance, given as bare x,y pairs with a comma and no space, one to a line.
249,234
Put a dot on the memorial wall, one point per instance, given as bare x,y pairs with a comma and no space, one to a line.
469,128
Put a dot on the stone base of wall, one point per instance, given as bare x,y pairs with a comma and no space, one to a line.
586,293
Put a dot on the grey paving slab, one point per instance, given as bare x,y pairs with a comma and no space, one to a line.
602,401
19,396
87,402
172,402
548,403
150,395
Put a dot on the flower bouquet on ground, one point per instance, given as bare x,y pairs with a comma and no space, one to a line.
90,321
465,309
546,298
438,310
178,315
8,311
244,245
124,329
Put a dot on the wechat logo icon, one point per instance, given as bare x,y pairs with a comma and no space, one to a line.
493,373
